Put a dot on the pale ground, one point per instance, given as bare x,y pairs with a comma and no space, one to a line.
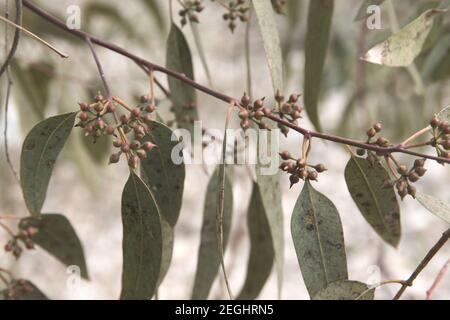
96,215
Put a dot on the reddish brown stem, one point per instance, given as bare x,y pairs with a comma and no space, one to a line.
182,77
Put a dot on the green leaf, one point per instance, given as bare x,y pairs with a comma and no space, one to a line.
166,180
142,241
345,290
270,189
40,149
362,11
269,32
436,206
320,15
318,239
378,205
208,256
401,48
178,58
56,235
22,290
261,248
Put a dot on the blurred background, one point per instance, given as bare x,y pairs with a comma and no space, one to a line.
354,96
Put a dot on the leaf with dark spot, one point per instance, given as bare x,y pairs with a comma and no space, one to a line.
57,236
166,180
378,205
208,255
40,150
142,241
345,290
261,248
318,239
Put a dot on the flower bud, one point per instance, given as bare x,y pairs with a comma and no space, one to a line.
420,171
266,111
402,169
125,118
133,162
110,130
98,97
144,98
279,96
293,179
378,127
258,104
243,114
413,177
148,146
135,145
117,143
411,191
320,168
371,132
285,155
150,108
141,153
125,148
83,116
111,107
114,158
83,106
312,175
434,122
245,100
293,98
419,163
136,112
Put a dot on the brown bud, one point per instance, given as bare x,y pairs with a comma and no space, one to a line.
419,163
100,124
296,115
83,106
413,177
110,130
378,127
266,111
98,97
293,179
125,148
320,168
89,128
117,143
284,130
293,98
303,174
403,193
141,153
286,108
135,145
133,162
382,142
144,98
8,247
434,122
83,116
312,175
402,169
114,158
279,96
401,185
29,244
136,112
371,133
147,118
125,118
111,107
420,171
301,162
150,108
446,144
245,100
17,252
285,155
243,114
148,146
258,104
99,107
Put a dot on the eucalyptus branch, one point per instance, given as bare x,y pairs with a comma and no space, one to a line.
182,77
435,249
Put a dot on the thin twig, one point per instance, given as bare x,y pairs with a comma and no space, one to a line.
31,34
408,283
7,229
5,130
182,77
415,135
15,43
438,280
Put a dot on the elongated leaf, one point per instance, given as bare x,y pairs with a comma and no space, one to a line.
378,205
318,239
142,241
208,256
436,206
261,248
40,149
201,52
401,48
362,11
270,189
166,180
178,58
320,15
267,25
22,290
345,290
57,236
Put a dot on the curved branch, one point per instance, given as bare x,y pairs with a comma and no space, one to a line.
15,44
182,77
